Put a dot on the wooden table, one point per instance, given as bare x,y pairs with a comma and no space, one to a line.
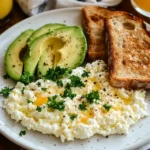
16,16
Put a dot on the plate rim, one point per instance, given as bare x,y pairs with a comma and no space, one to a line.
22,142
38,15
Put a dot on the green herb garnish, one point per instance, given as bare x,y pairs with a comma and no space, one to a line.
44,89
39,84
39,109
57,73
68,93
59,83
29,101
85,74
22,90
72,116
6,76
52,103
68,86
107,106
82,106
26,78
76,81
92,97
5,91
22,133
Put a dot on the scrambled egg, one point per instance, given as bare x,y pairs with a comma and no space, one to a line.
113,112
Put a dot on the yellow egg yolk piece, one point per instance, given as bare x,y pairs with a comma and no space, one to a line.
127,101
40,100
96,84
86,115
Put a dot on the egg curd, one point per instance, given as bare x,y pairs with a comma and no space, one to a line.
95,108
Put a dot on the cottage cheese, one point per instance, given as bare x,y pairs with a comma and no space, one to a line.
127,107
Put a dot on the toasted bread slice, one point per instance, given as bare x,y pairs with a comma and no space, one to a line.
129,51
94,27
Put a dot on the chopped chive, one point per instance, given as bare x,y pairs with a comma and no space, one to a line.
22,133
107,106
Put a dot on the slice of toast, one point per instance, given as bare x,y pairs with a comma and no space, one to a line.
128,52
94,28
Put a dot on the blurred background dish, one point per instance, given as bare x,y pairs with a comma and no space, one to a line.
32,7
142,6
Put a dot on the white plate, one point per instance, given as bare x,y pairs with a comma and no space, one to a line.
138,135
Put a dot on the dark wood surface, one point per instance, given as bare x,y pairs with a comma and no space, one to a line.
16,16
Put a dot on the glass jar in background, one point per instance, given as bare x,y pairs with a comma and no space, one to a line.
142,6
5,9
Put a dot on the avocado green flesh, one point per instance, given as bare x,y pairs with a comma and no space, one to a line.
44,29
35,50
14,65
68,51
50,47
40,44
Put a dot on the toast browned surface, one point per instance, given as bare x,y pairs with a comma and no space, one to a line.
94,27
128,52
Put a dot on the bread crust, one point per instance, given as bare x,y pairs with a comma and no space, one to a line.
128,62
94,28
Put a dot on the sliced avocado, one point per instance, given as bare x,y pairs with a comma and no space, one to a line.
48,56
66,47
44,29
35,50
13,63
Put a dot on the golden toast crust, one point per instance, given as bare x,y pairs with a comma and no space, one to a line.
94,27
128,52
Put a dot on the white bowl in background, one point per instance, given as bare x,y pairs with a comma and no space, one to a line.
140,10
